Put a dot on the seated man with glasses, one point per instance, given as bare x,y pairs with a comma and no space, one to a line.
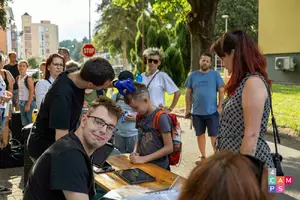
64,171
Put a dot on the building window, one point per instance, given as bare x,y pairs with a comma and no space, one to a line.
42,52
27,44
13,36
41,29
47,44
47,51
46,29
27,29
42,37
42,44
27,36
46,35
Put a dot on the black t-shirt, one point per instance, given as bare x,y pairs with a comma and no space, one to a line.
60,109
13,69
64,166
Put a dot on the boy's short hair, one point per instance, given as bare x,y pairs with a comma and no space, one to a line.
72,63
110,105
124,75
97,71
141,91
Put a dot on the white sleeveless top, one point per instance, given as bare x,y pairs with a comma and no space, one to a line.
23,91
2,91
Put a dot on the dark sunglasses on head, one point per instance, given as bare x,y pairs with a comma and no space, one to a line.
150,60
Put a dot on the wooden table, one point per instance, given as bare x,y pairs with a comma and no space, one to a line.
110,181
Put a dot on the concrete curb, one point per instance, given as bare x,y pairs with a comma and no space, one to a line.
284,135
269,132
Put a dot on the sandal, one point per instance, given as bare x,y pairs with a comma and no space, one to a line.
4,190
198,162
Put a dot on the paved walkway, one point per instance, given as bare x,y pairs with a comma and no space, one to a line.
290,150
12,178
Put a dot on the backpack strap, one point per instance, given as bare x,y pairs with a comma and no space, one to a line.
49,81
137,120
26,82
155,122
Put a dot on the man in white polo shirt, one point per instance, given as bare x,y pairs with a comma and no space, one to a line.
159,82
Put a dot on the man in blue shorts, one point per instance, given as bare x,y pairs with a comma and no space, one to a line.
202,87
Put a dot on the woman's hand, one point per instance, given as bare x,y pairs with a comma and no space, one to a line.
27,107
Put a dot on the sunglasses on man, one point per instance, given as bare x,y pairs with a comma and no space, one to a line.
150,60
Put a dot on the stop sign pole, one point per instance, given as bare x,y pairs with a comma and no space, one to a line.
88,50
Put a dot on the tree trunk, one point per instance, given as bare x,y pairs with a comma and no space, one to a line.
201,22
124,48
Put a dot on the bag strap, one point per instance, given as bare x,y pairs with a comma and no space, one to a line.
155,122
274,125
49,81
152,79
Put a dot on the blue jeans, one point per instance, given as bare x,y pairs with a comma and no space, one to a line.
2,120
26,117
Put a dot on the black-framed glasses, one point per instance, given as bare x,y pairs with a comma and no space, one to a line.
259,165
150,60
110,129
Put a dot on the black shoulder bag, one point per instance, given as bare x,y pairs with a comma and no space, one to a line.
277,158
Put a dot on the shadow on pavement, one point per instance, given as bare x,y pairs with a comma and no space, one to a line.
286,141
291,167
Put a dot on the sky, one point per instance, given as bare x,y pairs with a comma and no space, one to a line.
71,16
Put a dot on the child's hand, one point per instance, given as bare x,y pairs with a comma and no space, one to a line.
137,159
130,117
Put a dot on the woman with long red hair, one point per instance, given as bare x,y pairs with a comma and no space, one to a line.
246,109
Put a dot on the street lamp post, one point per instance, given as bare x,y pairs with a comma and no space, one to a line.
226,21
89,21
226,29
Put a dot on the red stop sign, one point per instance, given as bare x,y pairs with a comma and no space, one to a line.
88,50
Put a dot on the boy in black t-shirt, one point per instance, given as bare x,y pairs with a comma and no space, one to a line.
59,113
12,67
152,145
65,171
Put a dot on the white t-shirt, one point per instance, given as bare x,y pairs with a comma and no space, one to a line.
2,92
160,84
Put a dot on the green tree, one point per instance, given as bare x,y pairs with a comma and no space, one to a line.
116,23
3,4
163,40
243,15
151,37
173,65
183,42
34,62
200,16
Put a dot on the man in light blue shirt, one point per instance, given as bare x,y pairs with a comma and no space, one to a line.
202,88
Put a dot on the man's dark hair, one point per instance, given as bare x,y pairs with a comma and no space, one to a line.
50,60
97,71
207,54
124,75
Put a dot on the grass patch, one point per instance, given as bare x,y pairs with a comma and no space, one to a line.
286,105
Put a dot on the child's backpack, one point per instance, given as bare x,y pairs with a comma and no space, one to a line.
174,157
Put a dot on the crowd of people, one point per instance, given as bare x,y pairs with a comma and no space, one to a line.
62,139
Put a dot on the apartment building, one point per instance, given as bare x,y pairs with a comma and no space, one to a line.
9,35
38,39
